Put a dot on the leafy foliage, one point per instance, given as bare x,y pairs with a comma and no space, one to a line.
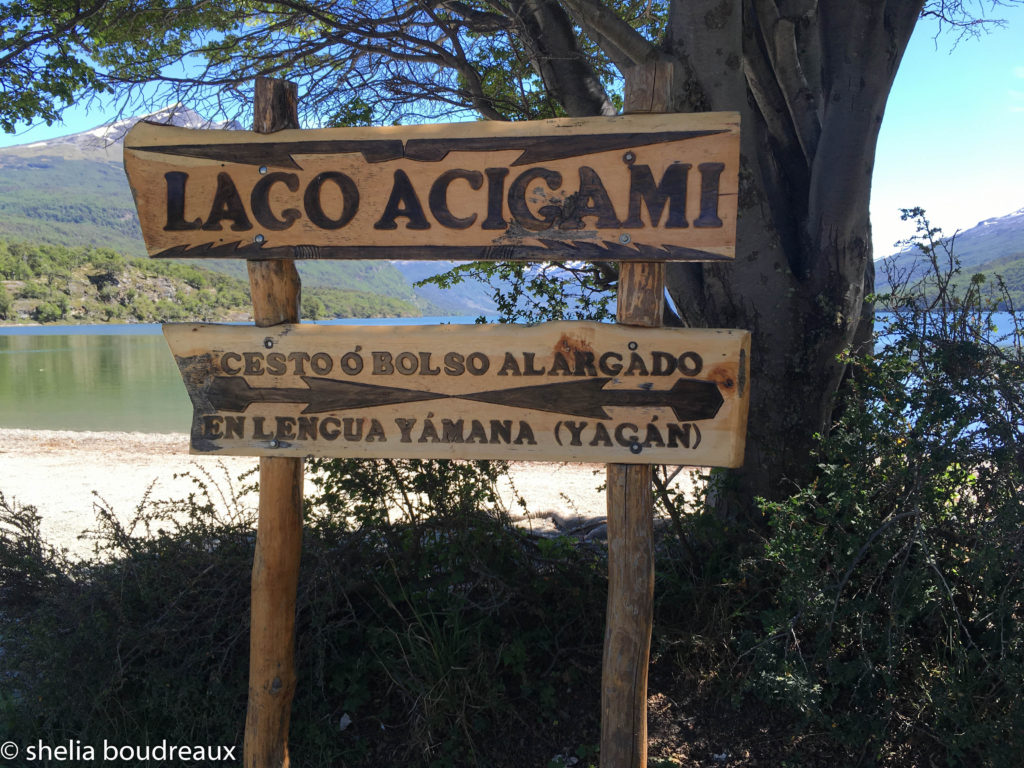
900,570
353,60
1003,277
42,71
534,293
422,640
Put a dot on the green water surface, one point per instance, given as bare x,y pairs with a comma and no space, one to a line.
122,383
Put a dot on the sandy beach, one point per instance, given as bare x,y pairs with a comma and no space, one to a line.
64,473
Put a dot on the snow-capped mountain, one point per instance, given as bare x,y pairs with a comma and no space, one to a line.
104,142
994,246
989,240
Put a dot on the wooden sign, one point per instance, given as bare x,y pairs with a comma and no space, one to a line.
638,187
557,392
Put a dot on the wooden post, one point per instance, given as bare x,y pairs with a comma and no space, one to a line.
630,614
275,291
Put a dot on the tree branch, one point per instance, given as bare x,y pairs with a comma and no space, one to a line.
480,102
952,13
621,43
546,28
481,22
779,34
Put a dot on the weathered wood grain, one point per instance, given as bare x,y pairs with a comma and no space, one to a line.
275,573
276,291
640,301
553,392
629,618
640,298
644,187
649,87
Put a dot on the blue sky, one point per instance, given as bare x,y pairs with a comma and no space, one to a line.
952,140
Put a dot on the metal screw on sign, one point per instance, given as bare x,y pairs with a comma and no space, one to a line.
268,343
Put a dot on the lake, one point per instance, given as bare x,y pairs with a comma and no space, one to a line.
112,378
106,378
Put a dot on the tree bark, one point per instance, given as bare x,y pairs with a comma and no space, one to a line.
547,34
812,92
810,79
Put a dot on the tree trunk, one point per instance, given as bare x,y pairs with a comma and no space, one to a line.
810,79
811,86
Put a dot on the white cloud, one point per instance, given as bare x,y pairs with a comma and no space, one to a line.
1018,72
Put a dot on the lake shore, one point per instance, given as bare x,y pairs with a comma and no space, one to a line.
64,474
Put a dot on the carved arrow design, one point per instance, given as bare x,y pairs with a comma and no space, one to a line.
689,400
232,393
535,149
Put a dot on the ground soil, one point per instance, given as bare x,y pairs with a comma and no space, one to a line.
64,474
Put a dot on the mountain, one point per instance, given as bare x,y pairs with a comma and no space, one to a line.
992,247
56,284
72,191
991,240
105,142
469,297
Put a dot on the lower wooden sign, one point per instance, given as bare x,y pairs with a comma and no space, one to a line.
566,391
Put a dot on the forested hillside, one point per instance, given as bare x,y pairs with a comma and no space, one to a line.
68,202
54,283
993,248
77,202
72,192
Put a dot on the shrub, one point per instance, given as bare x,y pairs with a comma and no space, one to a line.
901,569
437,640
33,290
50,311
312,308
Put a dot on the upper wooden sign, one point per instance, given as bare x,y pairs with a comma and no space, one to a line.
555,392
637,187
